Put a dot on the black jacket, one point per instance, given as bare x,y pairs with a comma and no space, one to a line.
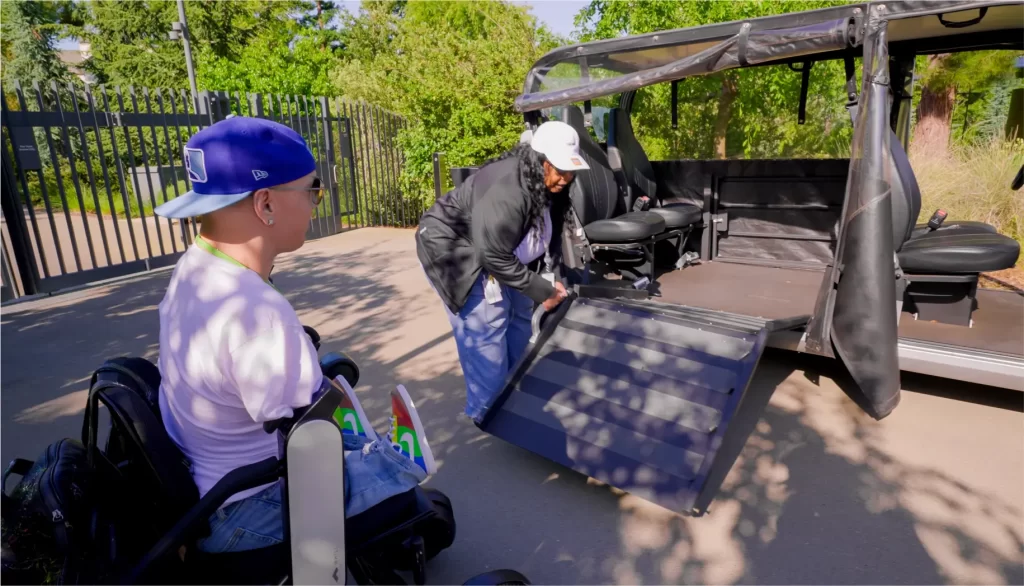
478,226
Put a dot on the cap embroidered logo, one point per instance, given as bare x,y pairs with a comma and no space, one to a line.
257,174
195,164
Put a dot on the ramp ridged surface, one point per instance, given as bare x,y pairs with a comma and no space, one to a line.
638,395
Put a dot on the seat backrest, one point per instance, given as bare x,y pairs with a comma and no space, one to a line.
625,150
594,193
906,195
138,442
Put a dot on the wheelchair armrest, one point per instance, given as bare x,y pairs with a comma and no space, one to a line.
239,479
314,336
325,402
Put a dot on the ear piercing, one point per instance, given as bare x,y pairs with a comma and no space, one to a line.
270,221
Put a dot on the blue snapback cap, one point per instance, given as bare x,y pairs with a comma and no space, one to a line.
228,161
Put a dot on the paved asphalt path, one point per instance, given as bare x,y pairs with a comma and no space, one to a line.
822,494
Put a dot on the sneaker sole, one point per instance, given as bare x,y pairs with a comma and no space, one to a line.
421,436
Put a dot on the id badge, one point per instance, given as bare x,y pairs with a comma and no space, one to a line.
492,291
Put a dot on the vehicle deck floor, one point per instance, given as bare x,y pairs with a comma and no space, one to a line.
777,293
998,325
766,292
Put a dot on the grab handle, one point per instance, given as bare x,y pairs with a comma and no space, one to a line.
540,312
964,23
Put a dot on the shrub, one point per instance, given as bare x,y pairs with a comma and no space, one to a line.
972,182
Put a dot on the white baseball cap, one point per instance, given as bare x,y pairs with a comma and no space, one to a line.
560,143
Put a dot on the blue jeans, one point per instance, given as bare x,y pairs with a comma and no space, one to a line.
490,338
374,471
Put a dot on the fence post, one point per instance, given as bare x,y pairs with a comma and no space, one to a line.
256,105
325,119
348,154
18,230
216,105
437,176
8,286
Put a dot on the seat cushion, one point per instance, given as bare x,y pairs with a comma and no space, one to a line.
965,226
678,215
948,251
625,228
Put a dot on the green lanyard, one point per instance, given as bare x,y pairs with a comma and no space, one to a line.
204,245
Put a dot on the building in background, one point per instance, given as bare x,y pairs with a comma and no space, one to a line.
73,60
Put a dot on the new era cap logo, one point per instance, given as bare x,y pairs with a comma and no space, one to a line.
257,174
195,164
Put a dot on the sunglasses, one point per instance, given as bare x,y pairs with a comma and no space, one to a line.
316,191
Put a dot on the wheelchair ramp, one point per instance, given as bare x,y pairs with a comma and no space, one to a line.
648,397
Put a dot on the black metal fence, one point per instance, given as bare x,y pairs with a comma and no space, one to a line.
83,169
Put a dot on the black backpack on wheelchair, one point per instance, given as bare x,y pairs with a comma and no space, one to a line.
161,503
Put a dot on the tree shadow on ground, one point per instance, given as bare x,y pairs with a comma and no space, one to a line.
820,493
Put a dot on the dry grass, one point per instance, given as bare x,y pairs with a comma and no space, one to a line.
973,183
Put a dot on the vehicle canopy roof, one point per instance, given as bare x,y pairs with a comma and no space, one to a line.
608,67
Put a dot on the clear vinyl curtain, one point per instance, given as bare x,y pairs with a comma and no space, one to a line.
864,326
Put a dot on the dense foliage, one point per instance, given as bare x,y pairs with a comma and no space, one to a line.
966,95
749,113
28,33
452,68
248,45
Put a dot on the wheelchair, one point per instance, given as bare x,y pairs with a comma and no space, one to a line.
151,515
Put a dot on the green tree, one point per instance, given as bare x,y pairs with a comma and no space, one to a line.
455,83
973,74
749,112
291,48
29,30
130,43
130,46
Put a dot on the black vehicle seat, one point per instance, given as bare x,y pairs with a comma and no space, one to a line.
595,196
626,155
953,251
968,247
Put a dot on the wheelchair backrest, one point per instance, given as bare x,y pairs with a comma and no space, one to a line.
138,444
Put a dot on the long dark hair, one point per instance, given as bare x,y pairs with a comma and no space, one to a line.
531,176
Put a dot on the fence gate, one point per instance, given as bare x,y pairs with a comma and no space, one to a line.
83,169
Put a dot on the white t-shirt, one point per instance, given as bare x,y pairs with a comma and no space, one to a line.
535,243
232,355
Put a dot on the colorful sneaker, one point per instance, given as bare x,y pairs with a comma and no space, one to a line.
350,415
407,434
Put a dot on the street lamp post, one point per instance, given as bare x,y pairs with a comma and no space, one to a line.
179,30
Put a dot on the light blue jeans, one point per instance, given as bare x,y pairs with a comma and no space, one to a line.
490,338
374,471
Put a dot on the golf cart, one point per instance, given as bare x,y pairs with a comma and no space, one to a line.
640,379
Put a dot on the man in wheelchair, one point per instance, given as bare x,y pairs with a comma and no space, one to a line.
233,354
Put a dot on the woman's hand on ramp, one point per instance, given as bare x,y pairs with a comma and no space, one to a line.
557,297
